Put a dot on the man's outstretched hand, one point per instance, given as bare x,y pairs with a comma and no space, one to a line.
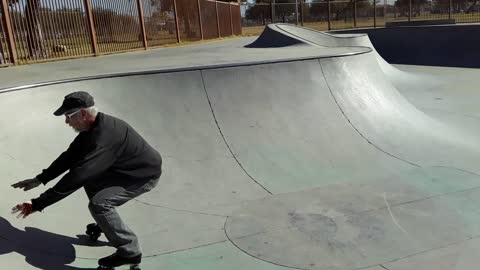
25,210
27,184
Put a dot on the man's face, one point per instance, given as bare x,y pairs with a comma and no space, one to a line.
76,120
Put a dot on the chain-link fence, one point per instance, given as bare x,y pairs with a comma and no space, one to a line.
345,14
116,25
208,9
159,22
42,30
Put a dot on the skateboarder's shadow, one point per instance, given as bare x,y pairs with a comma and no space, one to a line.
42,249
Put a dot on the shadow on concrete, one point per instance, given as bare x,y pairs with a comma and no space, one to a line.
42,249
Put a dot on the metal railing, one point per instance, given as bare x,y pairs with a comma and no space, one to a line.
44,30
345,14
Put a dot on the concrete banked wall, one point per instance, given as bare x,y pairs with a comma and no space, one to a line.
442,45
243,133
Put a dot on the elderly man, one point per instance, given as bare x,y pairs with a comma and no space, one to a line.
111,161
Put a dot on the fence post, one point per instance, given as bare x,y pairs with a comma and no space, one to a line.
231,19
175,14
296,12
91,25
10,39
240,14
355,13
409,10
273,10
200,19
329,16
301,11
375,14
218,19
450,7
142,23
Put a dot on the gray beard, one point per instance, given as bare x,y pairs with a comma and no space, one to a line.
76,130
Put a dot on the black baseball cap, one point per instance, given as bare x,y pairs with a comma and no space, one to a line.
75,101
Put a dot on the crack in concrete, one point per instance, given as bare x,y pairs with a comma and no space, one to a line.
10,156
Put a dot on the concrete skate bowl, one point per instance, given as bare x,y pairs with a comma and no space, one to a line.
437,45
311,164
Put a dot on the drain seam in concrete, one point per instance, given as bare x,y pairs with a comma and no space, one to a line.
186,249
354,127
179,210
382,266
171,252
223,136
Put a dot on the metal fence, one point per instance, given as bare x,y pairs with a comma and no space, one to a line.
345,14
44,30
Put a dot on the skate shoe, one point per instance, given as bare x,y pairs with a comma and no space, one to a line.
112,261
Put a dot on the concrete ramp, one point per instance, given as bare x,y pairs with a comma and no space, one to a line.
303,164
281,34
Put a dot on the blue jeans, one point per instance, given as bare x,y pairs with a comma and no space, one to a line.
105,195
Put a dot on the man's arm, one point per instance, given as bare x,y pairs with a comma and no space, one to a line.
94,163
62,163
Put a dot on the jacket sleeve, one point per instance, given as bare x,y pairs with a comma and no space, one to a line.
98,160
62,163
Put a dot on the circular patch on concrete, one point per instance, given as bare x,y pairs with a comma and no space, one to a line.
358,225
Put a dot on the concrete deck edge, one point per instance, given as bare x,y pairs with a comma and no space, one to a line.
174,70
